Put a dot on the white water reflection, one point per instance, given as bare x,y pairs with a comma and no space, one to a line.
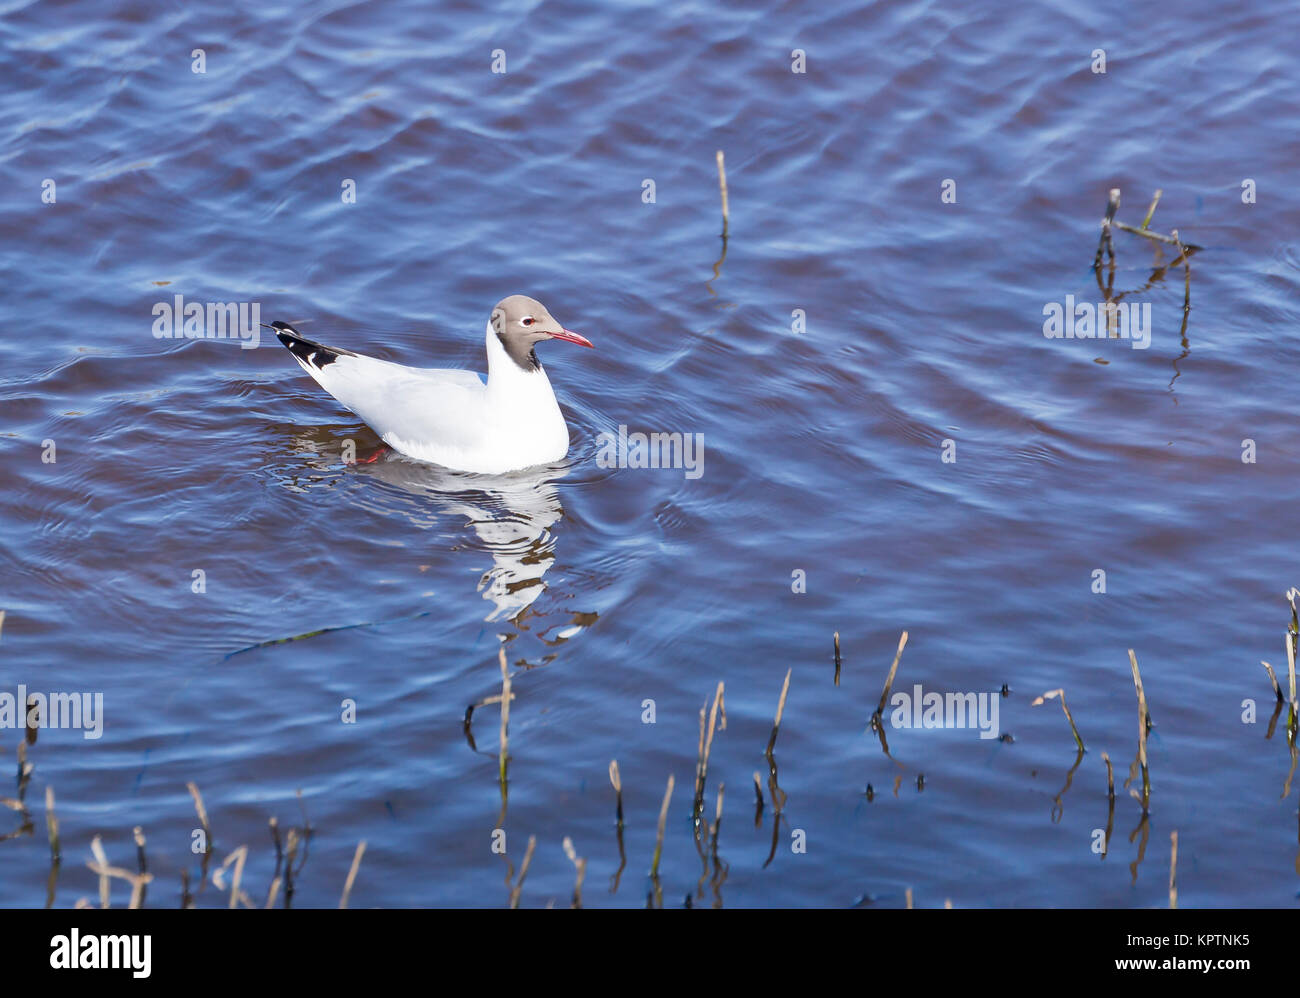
512,516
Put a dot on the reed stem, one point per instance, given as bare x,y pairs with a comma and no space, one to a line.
352,873
889,681
663,820
1052,695
722,186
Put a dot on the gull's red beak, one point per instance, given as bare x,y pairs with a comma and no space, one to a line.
569,336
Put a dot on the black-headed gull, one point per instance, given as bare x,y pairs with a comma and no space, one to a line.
451,417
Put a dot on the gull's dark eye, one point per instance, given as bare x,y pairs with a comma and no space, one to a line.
528,320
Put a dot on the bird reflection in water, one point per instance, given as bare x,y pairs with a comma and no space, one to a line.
512,516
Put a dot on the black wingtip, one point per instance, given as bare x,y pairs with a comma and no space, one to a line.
310,353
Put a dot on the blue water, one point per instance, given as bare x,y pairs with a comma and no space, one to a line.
823,448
